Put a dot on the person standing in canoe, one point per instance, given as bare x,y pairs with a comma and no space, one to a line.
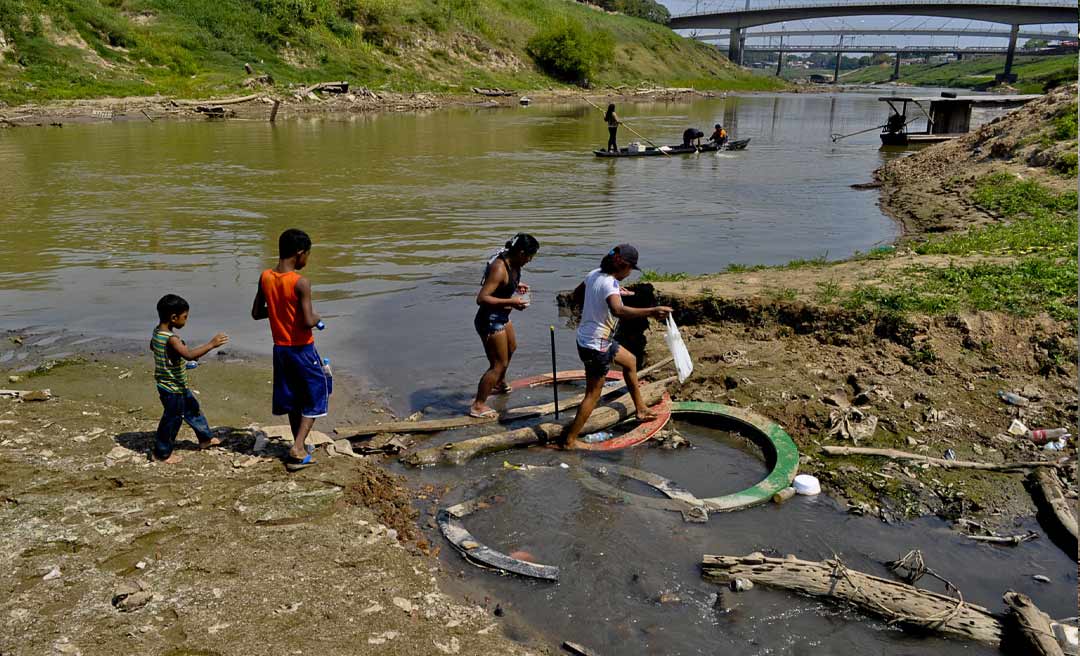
501,292
597,348
612,120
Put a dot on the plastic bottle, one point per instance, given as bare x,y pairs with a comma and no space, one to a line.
329,375
1012,398
599,436
1044,435
527,298
191,364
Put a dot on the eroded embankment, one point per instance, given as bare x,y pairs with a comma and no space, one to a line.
908,348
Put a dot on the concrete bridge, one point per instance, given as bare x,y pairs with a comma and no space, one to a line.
889,31
1010,12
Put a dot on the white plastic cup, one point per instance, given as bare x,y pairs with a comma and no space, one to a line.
807,485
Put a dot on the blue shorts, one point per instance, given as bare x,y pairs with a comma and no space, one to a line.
300,384
597,363
489,323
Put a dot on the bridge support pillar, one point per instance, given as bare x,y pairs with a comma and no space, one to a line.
836,70
779,63
959,56
895,69
735,45
1008,76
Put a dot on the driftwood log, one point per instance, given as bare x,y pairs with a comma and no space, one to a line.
226,101
332,87
1029,631
450,423
456,453
1057,510
894,601
893,454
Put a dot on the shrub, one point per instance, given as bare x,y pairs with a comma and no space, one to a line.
567,52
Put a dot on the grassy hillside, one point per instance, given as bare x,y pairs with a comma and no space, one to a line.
60,49
1037,74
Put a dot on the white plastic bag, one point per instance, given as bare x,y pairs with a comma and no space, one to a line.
683,364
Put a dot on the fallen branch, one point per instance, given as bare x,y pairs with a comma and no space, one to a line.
1049,497
1012,540
895,601
450,423
1029,628
456,453
893,454
227,101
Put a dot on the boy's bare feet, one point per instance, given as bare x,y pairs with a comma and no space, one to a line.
502,388
174,459
213,441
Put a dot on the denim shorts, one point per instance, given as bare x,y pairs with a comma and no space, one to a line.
597,363
300,384
489,323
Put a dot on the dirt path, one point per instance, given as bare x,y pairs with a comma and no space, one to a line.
105,552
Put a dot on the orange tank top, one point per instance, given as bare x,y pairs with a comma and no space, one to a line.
283,306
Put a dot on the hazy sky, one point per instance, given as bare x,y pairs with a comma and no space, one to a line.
919,22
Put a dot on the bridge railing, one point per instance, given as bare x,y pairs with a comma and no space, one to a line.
1061,4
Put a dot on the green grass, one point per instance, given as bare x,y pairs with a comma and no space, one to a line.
1036,74
1040,231
189,48
650,275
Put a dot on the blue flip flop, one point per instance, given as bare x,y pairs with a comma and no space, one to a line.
303,464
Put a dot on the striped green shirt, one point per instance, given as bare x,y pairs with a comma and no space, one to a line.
169,376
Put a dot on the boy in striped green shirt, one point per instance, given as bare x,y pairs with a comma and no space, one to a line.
170,374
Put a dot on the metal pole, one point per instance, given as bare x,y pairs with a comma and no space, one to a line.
554,374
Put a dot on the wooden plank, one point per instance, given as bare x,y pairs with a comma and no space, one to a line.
894,454
893,600
457,453
1050,499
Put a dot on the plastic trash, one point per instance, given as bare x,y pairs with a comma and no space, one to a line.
807,485
683,364
599,436
1017,428
1012,398
527,298
1057,445
1044,435
191,364
950,454
320,325
261,442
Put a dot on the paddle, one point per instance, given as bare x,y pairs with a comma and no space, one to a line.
632,130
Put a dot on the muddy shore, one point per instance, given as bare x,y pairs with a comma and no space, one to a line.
105,552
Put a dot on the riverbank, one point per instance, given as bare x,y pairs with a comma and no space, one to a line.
1036,74
908,347
224,553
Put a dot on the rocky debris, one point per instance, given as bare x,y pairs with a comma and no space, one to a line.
275,501
119,455
741,585
404,604
130,596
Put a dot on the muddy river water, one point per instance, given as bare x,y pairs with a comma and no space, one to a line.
99,220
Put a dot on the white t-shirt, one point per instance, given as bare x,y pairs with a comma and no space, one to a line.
597,322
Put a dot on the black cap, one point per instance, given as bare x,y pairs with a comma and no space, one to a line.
717,125
628,254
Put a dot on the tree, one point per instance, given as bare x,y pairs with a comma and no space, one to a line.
566,51
1032,44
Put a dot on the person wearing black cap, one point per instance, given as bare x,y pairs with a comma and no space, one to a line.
600,314
719,136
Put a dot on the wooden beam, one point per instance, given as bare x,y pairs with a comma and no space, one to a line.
226,101
456,453
1049,497
892,600
1029,628
893,454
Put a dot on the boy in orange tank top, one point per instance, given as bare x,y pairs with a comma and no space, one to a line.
301,386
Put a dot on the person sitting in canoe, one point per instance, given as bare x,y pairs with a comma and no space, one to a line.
612,120
719,136
501,292
691,137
